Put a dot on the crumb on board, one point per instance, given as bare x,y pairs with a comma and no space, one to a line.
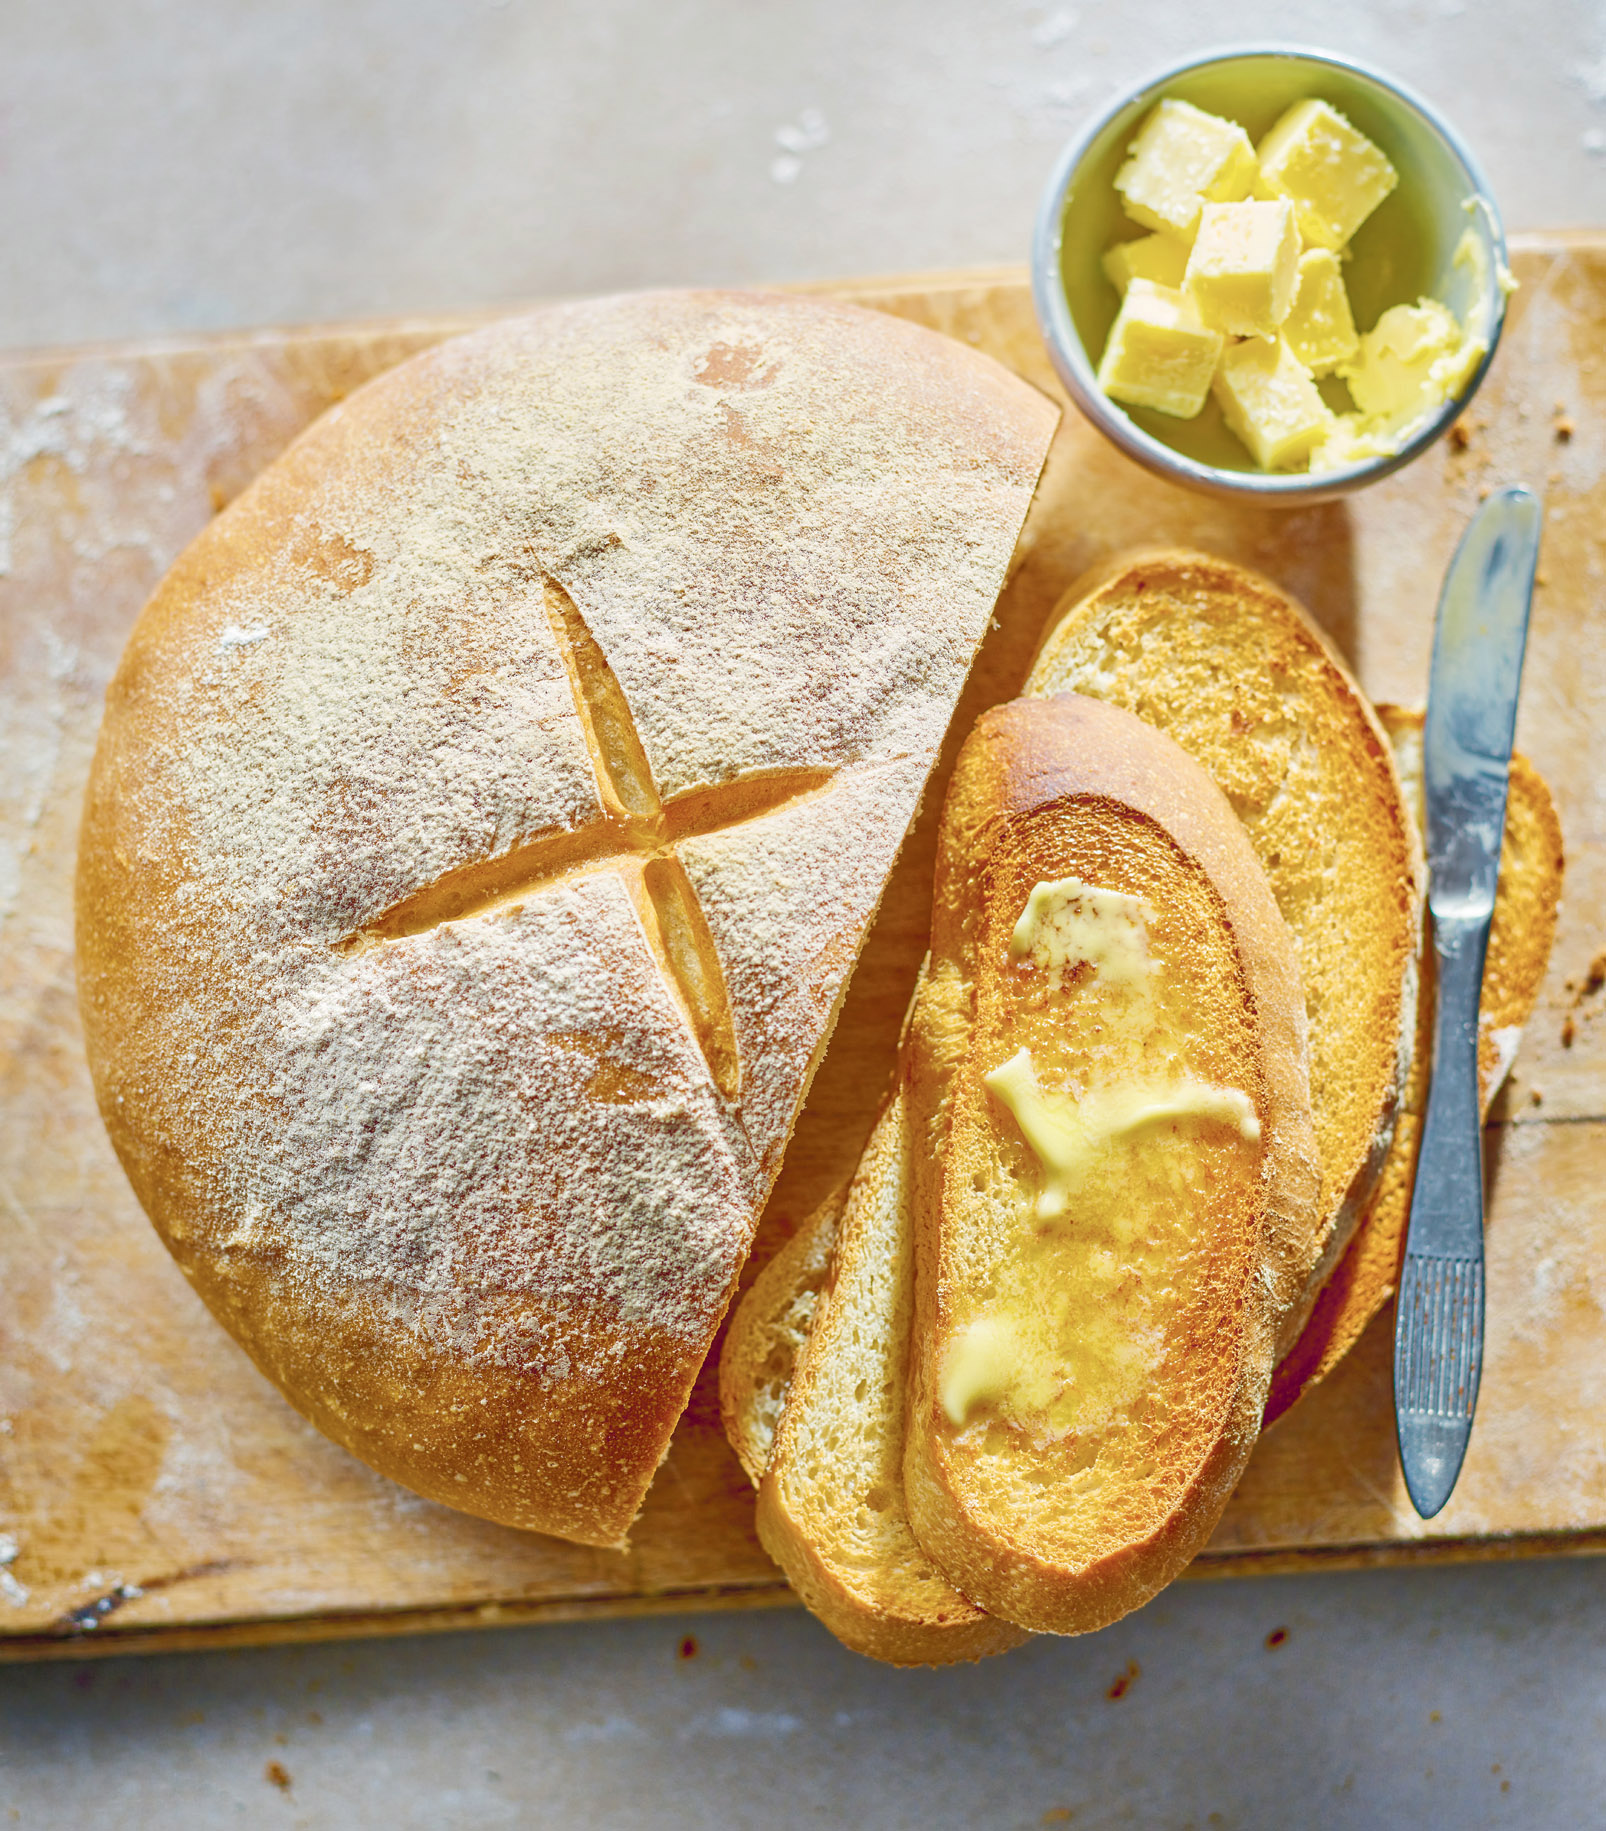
1536,1095
1460,435
1124,1681
277,1774
1569,1033
1275,1639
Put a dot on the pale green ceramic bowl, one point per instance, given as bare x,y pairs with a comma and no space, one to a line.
1402,251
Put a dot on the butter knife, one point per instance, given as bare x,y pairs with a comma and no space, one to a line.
1478,645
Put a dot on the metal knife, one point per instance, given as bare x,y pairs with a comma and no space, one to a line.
1478,645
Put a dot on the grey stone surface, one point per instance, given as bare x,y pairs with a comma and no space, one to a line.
186,166
1465,1697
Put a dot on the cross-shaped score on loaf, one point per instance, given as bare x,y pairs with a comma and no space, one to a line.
636,836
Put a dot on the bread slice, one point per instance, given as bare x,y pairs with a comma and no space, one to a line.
1527,903
830,1312
767,1333
1235,672
488,812
830,1502
1114,1165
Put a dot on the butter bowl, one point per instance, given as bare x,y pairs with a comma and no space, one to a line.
1436,236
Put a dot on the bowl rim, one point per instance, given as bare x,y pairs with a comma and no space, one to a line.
1070,358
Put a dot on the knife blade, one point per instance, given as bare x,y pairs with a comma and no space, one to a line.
1478,644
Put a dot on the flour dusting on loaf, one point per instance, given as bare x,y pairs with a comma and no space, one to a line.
490,808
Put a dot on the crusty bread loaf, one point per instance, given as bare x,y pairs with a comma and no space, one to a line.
489,809
830,1503
1114,1165
1234,670
1526,905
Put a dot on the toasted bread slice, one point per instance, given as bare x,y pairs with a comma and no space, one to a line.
767,1333
1235,672
830,1504
1526,906
1113,1163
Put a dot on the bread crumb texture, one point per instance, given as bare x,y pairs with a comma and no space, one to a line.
830,1506
489,809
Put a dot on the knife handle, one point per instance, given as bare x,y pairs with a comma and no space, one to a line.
1438,1325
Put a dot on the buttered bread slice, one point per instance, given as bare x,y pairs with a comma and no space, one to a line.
1113,1164
489,809
1235,671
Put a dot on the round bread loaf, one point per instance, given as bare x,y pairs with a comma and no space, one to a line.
489,809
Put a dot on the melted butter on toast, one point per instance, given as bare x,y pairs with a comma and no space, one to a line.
1070,1332
1067,922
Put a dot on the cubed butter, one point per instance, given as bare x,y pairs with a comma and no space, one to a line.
1159,354
1182,159
1351,440
1412,361
1319,327
1244,266
1331,173
1161,258
1268,398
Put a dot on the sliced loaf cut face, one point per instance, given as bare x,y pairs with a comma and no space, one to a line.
1235,671
1114,1165
1527,902
488,812
767,1333
830,1505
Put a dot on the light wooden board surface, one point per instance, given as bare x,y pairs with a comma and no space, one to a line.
155,1491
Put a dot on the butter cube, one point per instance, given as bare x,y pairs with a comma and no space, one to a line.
1413,360
1161,258
1351,441
1244,267
1331,173
1159,354
1270,401
1182,159
1319,327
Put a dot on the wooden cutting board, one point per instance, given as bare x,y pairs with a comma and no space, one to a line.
155,1491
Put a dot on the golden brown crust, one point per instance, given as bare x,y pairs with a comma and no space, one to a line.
1041,787
1527,903
489,808
1234,670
